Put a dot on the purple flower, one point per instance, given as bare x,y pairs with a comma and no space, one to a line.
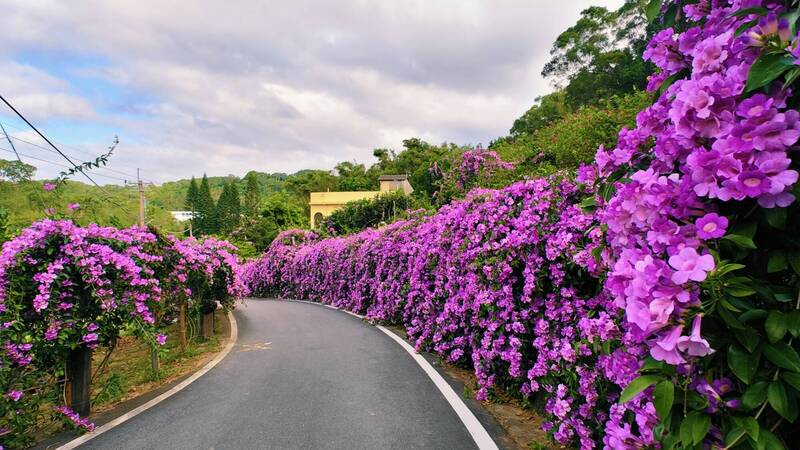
752,183
694,344
711,226
14,395
665,347
689,265
161,339
90,337
48,187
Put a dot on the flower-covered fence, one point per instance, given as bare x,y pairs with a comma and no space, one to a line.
66,289
654,303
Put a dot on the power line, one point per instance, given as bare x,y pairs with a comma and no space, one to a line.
62,145
51,151
58,163
79,169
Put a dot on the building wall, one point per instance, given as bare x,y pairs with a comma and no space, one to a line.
327,202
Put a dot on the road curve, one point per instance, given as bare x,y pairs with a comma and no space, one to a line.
300,377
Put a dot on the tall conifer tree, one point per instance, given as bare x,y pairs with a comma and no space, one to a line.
252,195
204,209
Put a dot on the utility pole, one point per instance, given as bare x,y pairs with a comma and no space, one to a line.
140,183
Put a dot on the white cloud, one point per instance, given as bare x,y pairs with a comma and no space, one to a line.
225,87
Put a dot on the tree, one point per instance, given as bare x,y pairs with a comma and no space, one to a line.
302,183
545,110
204,209
600,55
280,211
228,210
191,200
252,195
16,171
354,177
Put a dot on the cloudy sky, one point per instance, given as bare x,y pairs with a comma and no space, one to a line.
224,87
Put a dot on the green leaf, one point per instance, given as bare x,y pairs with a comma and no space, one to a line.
780,402
748,337
768,441
753,314
664,397
740,240
777,261
793,322
794,261
739,290
747,229
760,10
750,425
776,217
783,356
767,68
742,363
638,385
652,10
744,27
699,424
755,395
793,379
724,269
775,326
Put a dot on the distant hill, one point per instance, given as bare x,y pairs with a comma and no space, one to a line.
112,204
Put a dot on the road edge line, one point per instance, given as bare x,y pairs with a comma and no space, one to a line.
474,426
175,389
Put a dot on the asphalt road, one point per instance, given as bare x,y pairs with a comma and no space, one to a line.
300,377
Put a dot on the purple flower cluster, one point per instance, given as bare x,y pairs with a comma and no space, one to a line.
701,144
64,286
501,281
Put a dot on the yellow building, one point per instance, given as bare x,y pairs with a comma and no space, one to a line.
324,203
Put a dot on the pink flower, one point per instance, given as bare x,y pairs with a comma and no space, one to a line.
665,347
690,265
711,226
694,345
73,207
161,339
14,395
90,337
48,187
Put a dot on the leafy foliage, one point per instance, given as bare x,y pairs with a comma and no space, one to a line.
361,214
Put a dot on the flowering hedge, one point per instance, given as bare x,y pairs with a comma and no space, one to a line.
63,287
657,305
503,281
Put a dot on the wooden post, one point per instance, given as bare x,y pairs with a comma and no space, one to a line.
207,325
79,380
182,325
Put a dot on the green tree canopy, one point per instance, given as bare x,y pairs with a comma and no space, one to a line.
205,222
16,171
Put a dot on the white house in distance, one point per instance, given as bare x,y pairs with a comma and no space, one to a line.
182,216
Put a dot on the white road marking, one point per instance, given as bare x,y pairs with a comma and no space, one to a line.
177,388
475,428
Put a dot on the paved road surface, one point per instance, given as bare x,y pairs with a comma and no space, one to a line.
300,377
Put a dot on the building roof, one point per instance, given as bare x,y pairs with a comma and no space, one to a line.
392,177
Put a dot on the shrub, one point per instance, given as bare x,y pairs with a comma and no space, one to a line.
574,138
361,214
